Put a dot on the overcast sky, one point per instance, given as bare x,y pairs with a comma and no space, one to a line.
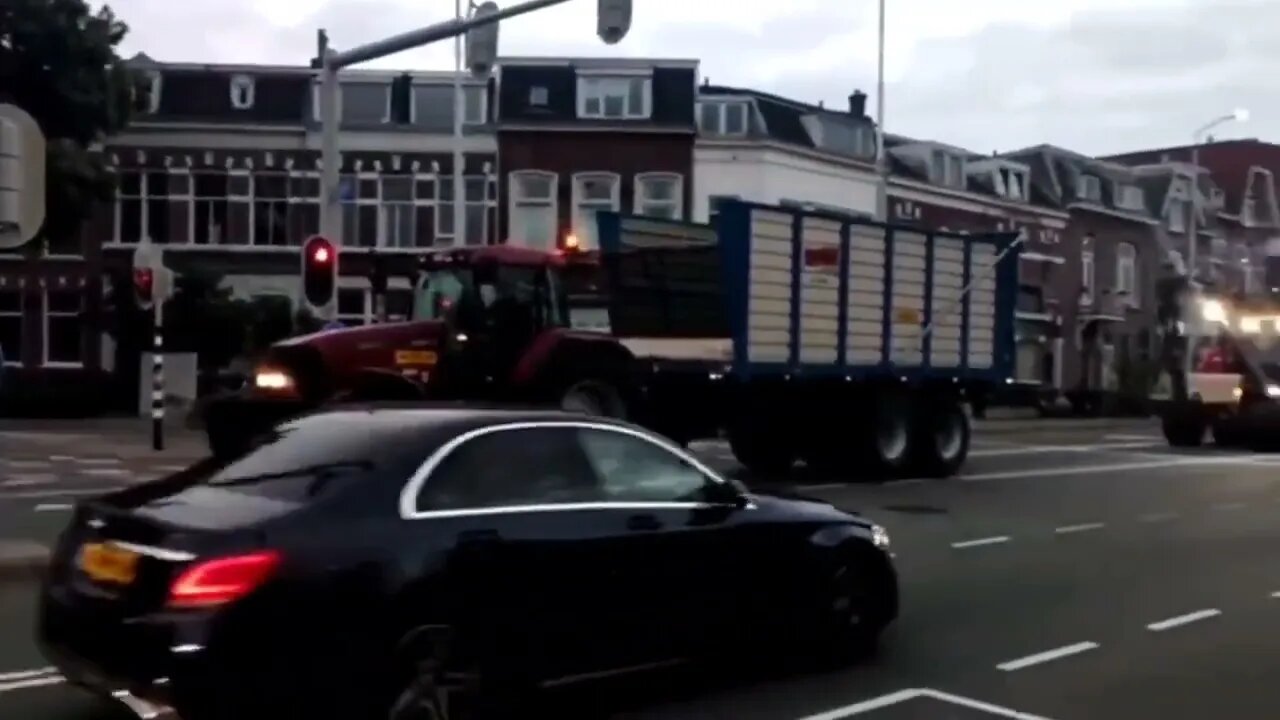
1097,76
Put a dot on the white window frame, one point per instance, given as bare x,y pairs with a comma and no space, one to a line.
46,314
241,82
677,201
1016,186
1089,188
721,114
366,301
389,211
467,119
1129,197
156,81
1127,272
586,232
1087,274
942,172
539,96
13,356
1177,215
586,81
515,200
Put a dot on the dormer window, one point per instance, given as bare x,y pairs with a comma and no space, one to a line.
538,96
1089,187
241,92
1177,216
605,97
146,92
723,117
1129,197
1011,183
947,169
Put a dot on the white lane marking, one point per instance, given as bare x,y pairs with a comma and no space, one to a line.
1158,517
1082,527
1229,506
902,696
54,507
31,683
1092,469
1047,656
171,468
996,540
37,494
61,458
27,464
29,479
105,472
24,674
1035,449
1275,595
1121,436
97,461
1174,622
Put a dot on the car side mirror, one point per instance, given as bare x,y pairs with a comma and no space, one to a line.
719,493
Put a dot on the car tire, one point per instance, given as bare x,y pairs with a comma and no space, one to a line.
1183,429
853,616
432,680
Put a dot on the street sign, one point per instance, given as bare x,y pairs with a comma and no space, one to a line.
22,177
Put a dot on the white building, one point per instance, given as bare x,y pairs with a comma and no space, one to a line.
762,148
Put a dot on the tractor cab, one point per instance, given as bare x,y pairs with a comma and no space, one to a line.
494,301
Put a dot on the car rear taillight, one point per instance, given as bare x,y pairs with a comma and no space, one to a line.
222,580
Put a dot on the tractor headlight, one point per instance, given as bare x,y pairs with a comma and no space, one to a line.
268,379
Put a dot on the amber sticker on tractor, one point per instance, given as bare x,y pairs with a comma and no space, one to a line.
415,357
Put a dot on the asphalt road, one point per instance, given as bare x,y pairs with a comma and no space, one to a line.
1084,573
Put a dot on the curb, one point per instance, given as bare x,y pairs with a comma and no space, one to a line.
22,560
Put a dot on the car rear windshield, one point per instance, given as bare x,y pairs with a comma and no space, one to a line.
306,458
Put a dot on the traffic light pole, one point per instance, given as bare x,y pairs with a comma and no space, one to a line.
331,61
157,379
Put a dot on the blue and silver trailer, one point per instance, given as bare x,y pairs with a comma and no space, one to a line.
809,336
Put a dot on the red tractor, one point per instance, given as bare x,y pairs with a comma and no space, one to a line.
490,323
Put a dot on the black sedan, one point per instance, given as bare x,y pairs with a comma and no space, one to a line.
359,562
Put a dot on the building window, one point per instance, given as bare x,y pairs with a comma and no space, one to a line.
219,199
615,97
142,204
538,96
11,306
1086,270
1130,197
475,99
1127,272
63,327
592,193
398,210
1089,187
270,209
481,196
304,206
947,169
361,198
727,117
533,209
424,208
152,83
241,92
660,195
1011,183
1177,216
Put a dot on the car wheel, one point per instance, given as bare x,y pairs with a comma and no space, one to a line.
853,613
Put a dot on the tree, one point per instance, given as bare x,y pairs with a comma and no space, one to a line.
58,62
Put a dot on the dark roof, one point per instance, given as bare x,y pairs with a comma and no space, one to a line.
782,116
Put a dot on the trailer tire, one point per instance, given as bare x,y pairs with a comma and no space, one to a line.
941,435
885,442
1183,429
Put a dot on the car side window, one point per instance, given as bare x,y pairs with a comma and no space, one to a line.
632,469
505,468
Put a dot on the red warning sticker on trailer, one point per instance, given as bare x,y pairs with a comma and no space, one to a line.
822,257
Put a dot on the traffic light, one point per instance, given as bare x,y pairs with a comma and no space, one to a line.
613,20
482,42
319,271
144,286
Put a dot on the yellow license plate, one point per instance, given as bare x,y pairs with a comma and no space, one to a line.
106,563
415,357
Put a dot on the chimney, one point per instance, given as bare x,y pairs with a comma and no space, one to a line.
858,103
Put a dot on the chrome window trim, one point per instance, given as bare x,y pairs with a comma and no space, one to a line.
413,488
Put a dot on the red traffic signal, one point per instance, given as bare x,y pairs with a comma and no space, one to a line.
144,280
319,270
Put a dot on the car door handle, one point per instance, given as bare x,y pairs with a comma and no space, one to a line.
643,522
472,537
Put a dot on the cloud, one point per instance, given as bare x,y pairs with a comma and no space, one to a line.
1098,76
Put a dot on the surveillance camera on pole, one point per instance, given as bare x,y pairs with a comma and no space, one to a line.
482,42
613,20
22,153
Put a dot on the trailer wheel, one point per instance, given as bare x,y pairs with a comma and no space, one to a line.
885,445
941,436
